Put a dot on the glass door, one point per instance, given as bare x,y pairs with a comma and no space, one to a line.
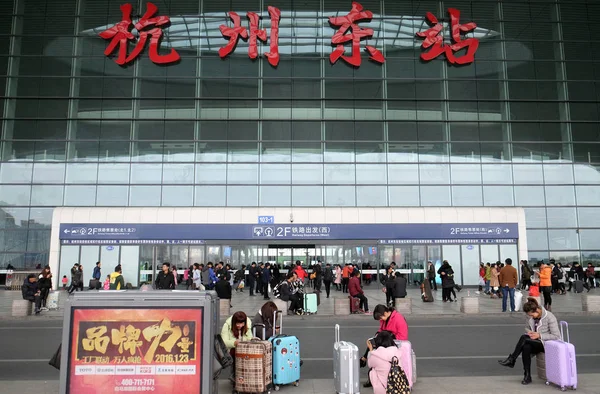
386,256
147,271
418,264
300,254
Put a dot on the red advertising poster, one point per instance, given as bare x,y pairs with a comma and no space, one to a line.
135,350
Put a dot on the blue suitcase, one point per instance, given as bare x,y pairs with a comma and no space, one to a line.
286,355
310,303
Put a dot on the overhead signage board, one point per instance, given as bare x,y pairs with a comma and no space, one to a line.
104,233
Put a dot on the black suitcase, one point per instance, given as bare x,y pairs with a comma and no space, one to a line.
94,284
578,284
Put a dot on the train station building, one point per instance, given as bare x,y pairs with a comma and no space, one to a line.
347,132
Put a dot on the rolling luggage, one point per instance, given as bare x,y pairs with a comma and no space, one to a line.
561,366
518,300
346,377
408,360
94,284
426,294
286,355
578,284
310,303
354,304
253,366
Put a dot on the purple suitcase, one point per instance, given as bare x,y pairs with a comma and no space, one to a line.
561,366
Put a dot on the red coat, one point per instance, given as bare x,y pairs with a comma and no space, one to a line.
396,324
301,272
354,287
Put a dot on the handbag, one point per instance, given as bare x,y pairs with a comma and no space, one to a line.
55,360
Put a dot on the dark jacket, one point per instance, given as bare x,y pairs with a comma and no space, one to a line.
400,287
578,273
276,273
448,279
77,277
431,272
97,274
251,274
239,275
318,271
223,272
28,290
223,289
327,274
525,272
44,283
266,275
285,291
259,319
165,281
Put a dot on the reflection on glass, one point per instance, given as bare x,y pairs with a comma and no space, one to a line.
470,266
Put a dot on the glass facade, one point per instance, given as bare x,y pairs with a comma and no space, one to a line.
520,126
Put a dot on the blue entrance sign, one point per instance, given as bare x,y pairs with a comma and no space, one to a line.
266,219
203,232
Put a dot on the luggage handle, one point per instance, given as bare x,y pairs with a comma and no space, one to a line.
564,326
264,330
275,326
337,332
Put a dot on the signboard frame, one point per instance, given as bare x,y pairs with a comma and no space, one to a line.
206,302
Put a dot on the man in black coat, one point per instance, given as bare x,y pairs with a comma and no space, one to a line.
165,279
30,292
251,279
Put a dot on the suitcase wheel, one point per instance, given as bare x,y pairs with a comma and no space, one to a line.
276,388
296,383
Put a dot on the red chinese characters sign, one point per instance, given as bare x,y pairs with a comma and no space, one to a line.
150,350
348,32
433,39
237,31
346,23
148,25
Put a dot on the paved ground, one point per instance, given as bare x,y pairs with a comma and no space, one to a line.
451,352
569,303
455,353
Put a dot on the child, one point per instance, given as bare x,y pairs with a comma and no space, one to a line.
107,283
64,282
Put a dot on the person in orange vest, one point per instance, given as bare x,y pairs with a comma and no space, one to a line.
346,272
545,276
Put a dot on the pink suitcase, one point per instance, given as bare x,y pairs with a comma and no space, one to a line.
561,366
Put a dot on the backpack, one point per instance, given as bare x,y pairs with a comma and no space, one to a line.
397,382
559,274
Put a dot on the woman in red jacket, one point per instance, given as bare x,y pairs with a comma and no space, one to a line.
391,320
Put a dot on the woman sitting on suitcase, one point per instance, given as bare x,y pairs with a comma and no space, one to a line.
382,349
540,327
236,328
265,316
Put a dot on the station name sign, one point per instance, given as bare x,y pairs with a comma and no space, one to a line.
347,37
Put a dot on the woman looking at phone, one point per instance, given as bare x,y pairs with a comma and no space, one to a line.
541,326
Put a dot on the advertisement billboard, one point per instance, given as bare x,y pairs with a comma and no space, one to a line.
135,349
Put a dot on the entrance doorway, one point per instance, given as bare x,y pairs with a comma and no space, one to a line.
287,255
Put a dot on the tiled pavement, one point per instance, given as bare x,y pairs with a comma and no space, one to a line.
588,384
